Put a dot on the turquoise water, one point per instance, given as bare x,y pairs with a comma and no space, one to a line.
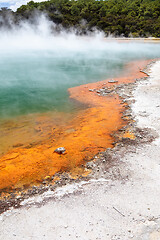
35,78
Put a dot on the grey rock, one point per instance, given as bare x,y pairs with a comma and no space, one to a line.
90,165
112,81
60,150
108,91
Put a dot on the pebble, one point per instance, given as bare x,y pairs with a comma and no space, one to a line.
60,150
112,81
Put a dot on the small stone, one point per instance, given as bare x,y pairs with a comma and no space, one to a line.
112,81
108,91
90,165
60,150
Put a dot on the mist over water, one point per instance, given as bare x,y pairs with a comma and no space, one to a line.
37,65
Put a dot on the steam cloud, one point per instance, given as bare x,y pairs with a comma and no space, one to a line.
42,34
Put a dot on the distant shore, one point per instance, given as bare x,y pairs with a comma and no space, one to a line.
150,39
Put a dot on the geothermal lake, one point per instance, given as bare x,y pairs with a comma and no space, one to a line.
36,73
36,113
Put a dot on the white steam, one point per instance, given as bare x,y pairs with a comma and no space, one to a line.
41,35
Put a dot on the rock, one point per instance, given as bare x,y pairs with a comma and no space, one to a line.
108,91
90,165
112,81
60,150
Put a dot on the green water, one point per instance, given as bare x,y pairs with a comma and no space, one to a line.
34,80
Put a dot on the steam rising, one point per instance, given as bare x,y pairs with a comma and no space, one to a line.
37,65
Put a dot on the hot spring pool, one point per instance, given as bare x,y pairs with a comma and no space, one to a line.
36,71
36,113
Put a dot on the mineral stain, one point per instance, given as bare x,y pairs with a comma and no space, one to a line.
83,134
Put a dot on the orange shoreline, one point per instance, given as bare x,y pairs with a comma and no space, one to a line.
84,136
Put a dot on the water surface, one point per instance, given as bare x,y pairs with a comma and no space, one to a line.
34,78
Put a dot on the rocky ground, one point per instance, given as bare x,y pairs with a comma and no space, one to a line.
119,199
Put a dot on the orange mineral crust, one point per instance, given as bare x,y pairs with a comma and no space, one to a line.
88,132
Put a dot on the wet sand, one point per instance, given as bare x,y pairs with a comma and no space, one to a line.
88,132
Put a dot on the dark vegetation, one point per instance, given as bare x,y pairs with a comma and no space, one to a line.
137,18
